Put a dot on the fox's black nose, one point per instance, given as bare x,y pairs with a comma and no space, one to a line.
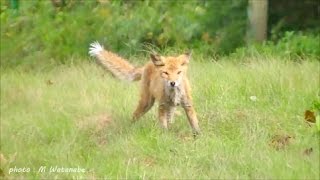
172,83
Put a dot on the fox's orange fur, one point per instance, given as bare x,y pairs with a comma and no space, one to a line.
162,79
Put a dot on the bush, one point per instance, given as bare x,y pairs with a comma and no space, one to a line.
294,46
41,32
226,23
124,26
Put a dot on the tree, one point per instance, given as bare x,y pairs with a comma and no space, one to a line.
258,18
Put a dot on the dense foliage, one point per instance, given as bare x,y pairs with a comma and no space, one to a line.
212,28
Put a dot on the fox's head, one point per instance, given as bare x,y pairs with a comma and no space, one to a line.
171,69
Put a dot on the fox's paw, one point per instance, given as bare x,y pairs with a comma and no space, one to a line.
196,133
95,48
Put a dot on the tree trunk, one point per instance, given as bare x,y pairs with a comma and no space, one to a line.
258,18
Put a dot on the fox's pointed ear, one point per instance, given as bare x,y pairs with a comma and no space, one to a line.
187,57
156,59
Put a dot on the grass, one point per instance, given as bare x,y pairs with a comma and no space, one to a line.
78,115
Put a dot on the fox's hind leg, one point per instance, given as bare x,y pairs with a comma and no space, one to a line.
190,112
145,103
144,106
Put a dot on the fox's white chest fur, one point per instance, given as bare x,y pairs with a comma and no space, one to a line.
174,95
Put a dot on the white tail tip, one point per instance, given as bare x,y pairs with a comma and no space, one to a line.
95,48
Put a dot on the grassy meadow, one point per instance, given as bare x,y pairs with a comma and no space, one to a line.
59,109
77,115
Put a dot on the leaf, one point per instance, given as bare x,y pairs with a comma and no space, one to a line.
308,151
49,82
309,116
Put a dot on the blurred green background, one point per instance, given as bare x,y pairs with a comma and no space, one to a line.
59,29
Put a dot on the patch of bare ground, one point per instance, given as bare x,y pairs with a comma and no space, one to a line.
184,137
149,161
95,122
97,126
280,141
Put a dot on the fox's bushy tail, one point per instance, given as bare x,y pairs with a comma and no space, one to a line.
118,66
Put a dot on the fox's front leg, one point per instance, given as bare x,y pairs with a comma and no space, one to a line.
190,112
192,117
163,119
170,115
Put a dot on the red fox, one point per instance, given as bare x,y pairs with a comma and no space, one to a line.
163,79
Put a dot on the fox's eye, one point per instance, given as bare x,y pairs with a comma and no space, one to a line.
165,73
179,72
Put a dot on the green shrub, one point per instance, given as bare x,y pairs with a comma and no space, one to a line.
212,28
226,23
294,46
124,26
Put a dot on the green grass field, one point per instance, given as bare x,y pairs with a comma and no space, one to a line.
79,116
